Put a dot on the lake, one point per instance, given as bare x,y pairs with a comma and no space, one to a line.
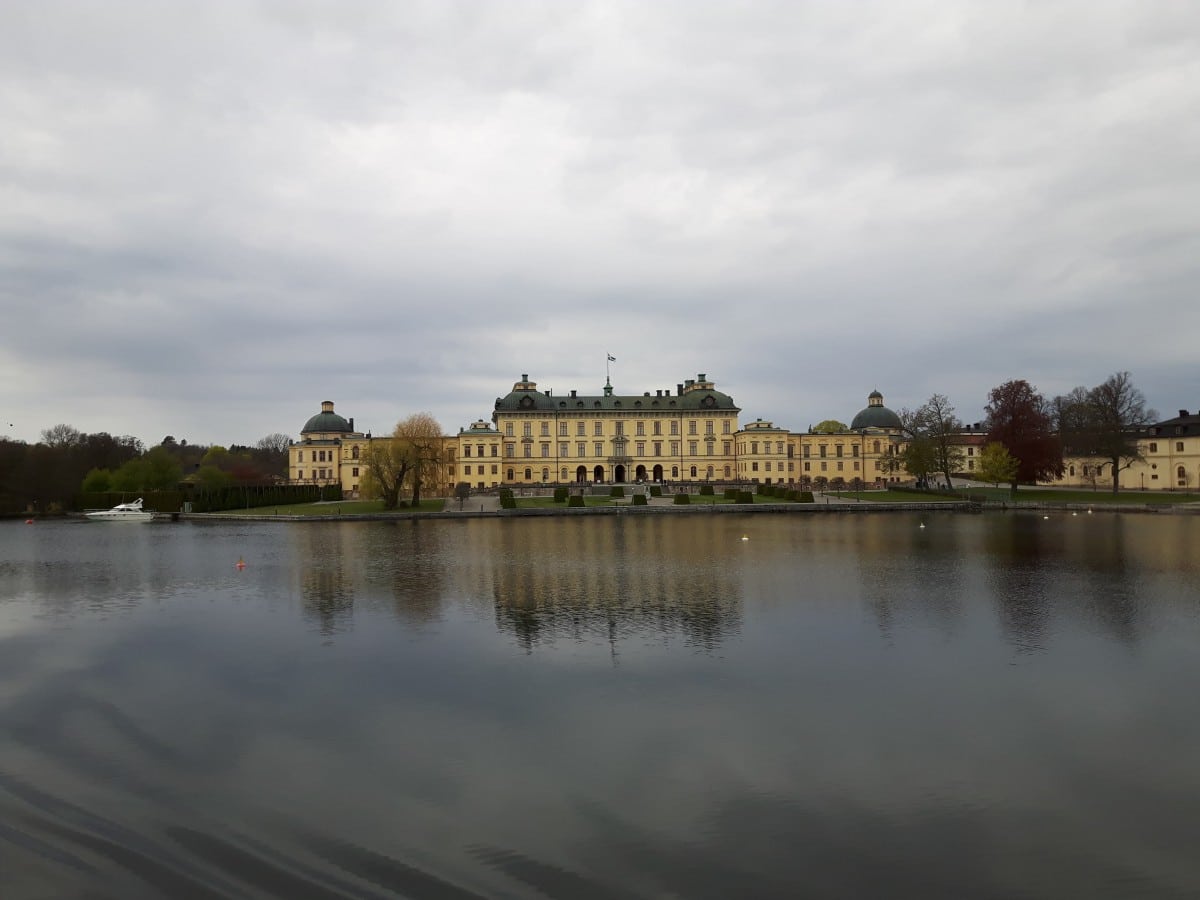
894,705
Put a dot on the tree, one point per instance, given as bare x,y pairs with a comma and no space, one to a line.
61,436
423,435
919,459
386,464
1020,418
1116,417
275,443
829,426
462,492
996,464
97,481
932,430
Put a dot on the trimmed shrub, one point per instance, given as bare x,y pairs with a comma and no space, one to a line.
682,499
639,499
616,491
731,494
804,497
576,500
560,494
706,490
744,497
655,490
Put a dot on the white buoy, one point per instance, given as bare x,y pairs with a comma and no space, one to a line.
744,538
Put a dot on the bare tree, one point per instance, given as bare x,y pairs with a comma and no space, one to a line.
60,436
275,443
387,462
1117,416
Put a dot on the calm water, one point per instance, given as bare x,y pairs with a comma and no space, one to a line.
990,706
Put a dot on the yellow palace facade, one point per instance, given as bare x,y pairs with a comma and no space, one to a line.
688,434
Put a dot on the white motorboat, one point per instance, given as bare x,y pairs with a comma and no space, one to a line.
122,512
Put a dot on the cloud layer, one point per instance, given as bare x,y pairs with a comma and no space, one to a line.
213,218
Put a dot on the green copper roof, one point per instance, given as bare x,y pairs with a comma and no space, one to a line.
326,421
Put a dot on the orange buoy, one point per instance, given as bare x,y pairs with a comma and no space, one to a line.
241,563
29,521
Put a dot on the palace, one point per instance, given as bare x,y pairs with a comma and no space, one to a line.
692,434
689,434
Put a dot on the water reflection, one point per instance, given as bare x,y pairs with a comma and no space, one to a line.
834,707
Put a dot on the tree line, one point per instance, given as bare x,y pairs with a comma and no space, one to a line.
1028,435
49,475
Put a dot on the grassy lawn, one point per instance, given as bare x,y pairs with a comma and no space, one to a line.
898,497
336,508
1137,498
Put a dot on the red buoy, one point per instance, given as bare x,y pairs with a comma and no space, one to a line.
241,563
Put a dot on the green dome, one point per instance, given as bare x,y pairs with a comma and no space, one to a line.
876,415
327,421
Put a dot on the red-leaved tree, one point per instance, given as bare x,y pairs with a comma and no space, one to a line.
1021,419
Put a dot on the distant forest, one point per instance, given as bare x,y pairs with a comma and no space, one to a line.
49,476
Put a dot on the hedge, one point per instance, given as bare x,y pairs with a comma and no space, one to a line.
682,499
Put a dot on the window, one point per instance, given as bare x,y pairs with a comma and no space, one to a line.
641,428
674,426
641,448
598,429
875,447
1153,447
674,448
466,470
970,451
620,427
693,471
754,466
823,450
528,450
837,451
545,429
509,475
692,448
545,474
527,429
726,447
854,450
658,448
599,448
354,452
840,464
494,449
467,450
708,427
657,427
510,449
1179,446
580,429
354,471
528,474
562,429
299,474
754,446
545,450
674,471
508,430
710,448
805,451
824,467
563,448
581,448
725,427
691,426
768,466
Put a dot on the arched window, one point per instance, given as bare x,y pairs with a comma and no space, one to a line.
674,471
693,471
875,446
529,474
545,474
354,452
510,475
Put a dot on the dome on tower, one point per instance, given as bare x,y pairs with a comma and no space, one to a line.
327,422
876,415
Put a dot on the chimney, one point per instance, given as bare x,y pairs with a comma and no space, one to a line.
572,392
352,423
679,389
1183,413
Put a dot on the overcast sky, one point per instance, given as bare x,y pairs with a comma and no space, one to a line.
213,216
